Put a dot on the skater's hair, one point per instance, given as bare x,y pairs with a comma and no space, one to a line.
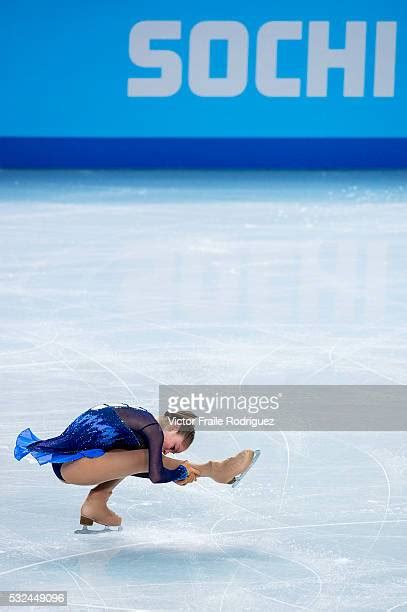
182,422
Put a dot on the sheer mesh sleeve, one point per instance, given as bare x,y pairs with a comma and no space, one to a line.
135,418
157,472
140,420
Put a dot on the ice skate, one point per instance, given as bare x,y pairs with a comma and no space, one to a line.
95,510
231,471
238,479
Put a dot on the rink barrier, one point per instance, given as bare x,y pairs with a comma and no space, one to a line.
292,153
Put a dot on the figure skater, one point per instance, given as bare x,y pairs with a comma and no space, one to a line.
109,442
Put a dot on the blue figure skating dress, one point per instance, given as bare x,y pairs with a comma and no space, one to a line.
99,430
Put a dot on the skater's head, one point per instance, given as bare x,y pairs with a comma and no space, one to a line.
179,431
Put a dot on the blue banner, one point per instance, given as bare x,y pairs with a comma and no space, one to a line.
104,69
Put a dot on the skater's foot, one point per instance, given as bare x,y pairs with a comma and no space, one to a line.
94,509
225,471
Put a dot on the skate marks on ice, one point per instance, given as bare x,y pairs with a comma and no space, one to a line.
103,302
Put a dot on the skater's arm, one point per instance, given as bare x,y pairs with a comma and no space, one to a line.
156,470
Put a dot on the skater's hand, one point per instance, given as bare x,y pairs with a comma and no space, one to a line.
193,473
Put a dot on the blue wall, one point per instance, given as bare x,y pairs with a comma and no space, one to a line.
66,68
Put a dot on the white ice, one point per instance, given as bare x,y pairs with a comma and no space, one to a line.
114,282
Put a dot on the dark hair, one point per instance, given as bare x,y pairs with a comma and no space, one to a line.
183,424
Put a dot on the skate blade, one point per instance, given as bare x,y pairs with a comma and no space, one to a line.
238,479
86,531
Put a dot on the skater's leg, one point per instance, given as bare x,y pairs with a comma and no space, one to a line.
220,471
113,465
95,504
225,471
111,468
117,464
109,485
106,486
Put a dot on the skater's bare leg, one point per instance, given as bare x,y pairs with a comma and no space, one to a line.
95,504
117,464
219,471
225,471
111,468
109,485
113,465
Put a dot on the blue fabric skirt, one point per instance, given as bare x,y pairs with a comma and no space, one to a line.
91,434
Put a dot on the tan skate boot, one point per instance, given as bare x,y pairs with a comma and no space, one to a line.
225,471
94,509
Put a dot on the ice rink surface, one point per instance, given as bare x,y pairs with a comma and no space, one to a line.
114,282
